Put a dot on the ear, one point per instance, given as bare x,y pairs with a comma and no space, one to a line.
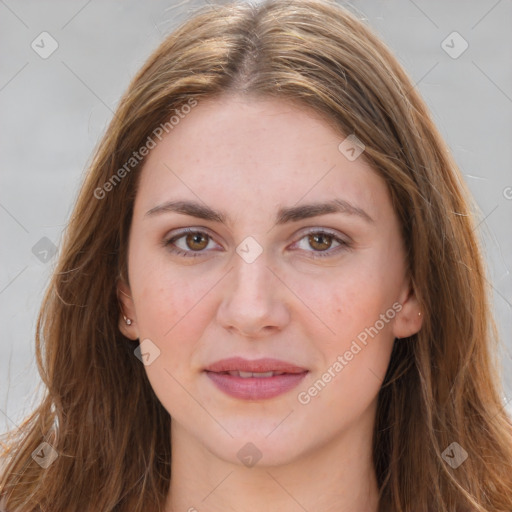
409,319
127,310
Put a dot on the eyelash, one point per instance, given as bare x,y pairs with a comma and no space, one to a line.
194,254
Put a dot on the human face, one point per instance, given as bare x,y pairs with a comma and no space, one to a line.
304,299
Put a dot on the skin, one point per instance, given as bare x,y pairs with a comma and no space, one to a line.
249,157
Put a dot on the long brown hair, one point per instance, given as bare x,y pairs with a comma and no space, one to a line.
99,412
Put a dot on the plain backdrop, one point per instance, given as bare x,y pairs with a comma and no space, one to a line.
55,109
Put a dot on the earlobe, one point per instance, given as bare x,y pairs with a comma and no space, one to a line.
127,320
410,318
127,327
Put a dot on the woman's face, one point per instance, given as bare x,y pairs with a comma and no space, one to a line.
278,278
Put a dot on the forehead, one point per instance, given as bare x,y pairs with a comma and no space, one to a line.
236,150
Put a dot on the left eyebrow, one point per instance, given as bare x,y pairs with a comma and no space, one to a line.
296,213
284,214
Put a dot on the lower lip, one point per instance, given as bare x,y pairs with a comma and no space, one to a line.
255,388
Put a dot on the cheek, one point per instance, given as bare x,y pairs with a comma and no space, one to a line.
172,305
172,311
354,335
342,303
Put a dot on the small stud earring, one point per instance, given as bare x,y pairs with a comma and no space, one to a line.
127,320
419,314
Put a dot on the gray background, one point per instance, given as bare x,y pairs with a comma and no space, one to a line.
54,110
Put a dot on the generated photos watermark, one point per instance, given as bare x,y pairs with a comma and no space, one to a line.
304,397
143,151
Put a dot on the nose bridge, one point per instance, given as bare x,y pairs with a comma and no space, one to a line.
250,275
250,304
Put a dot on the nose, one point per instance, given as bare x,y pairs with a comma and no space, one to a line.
253,303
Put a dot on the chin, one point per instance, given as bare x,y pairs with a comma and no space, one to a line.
255,448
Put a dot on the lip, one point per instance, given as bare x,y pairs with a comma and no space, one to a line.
255,388
254,365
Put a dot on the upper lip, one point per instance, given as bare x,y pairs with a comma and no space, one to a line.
254,365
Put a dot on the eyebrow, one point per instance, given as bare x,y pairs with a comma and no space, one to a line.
284,215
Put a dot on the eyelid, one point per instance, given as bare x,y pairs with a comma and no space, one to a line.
327,231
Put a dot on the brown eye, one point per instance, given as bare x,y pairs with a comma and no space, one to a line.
320,241
189,242
196,241
322,244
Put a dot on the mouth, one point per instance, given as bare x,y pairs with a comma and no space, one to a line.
247,375
255,379
256,366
